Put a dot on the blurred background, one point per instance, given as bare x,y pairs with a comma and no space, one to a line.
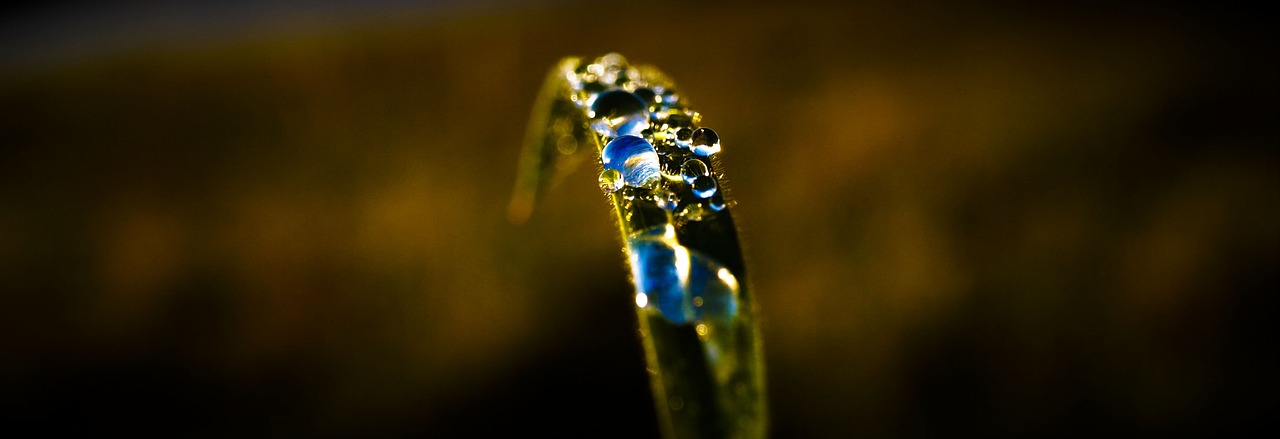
289,218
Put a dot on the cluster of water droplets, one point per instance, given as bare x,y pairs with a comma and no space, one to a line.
656,152
653,142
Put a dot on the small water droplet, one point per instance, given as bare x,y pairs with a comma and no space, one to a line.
692,169
621,111
705,141
682,138
647,135
610,180
667,200
704,186
566,144
635,159
716,203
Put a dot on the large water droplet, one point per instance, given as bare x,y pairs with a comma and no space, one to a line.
633,158
704,186
692,169
675,278
623,112
610,180
705,142
646,95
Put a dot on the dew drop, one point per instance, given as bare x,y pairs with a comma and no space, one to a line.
685,285
667,200
716,203
704,186
705,142
682,138
633,158
621,111
610,180
646,95
692,169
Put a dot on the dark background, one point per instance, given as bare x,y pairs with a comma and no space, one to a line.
288,218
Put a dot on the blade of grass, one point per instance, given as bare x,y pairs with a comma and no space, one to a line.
697,319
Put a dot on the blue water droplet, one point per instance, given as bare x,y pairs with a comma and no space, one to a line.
635,159
676,279
692,169
705,141
668,200
621,111
716,203
704,186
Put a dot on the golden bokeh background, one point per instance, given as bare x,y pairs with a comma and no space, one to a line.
987,219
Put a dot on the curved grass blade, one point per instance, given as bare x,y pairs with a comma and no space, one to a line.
659,169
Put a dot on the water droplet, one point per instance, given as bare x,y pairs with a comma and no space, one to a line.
646,95
705,142
566,144
667,200
704,186
672,276
610,180
692,169
647,135
716,203
622,112
633,158
682,138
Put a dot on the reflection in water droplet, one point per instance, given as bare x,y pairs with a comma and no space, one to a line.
621,111
672,276
692,169
705,142
635,159
610,180
704,186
